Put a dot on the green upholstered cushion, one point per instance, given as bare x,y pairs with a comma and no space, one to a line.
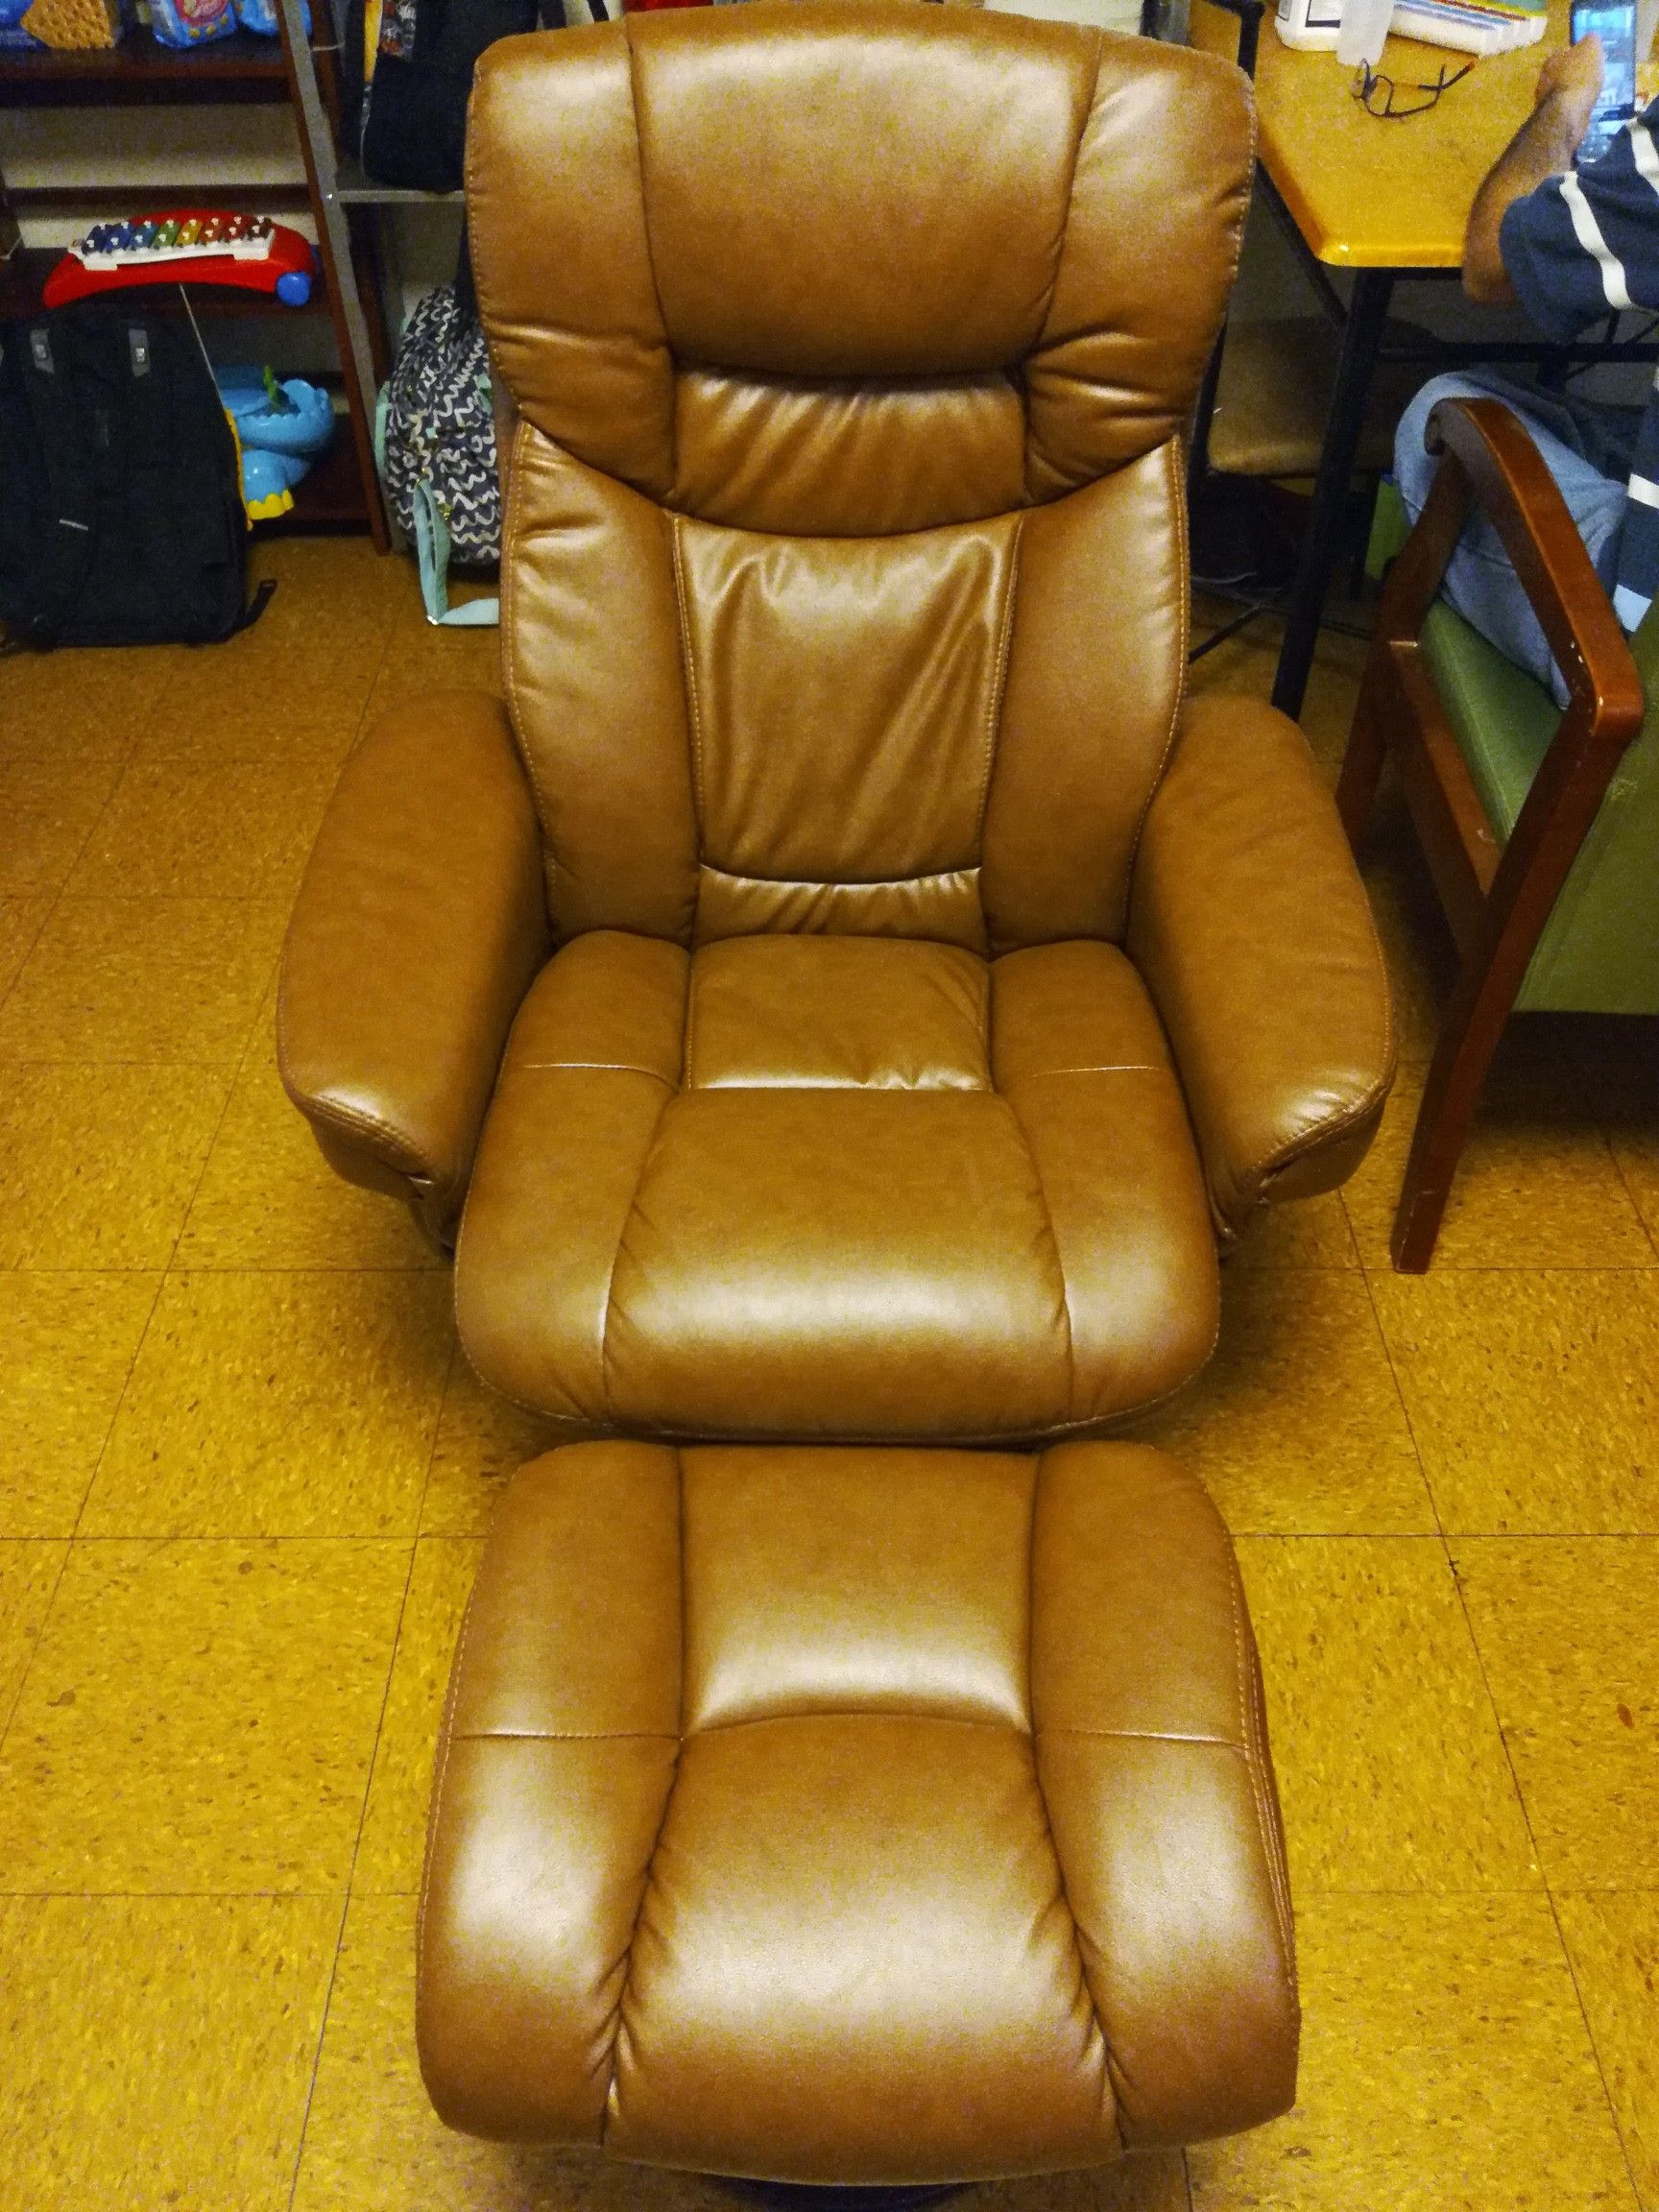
1599,950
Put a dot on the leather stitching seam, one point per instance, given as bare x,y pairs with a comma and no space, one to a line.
566,1735
1044,341
651,261
508,650
687,1018
1147,1736
1053,1243
1088,106
1178,505
607,2111
435,1818
1109,2069
993,705
841,882
353,1121
588,1067
689,676
669,1094
1253,1767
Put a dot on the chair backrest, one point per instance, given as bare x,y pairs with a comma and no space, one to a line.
844,572
1599,953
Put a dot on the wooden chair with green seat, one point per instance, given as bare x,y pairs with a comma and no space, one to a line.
1540,827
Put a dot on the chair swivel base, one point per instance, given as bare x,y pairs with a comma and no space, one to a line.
806,2196
859,1818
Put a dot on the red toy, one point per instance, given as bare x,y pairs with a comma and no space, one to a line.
187,246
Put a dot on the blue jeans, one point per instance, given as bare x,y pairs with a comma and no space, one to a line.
1585,447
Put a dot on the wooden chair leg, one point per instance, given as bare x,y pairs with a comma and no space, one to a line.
1469,1037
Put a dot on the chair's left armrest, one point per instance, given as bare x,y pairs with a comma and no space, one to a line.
1250,926
420,926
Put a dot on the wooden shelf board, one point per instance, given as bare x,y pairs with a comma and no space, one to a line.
141,70
288,192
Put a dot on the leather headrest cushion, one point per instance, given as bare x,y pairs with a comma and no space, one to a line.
850,189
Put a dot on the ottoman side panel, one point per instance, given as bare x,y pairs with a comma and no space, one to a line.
1152,1757
535,1875
555,1765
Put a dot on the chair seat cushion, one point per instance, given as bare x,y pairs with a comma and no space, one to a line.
837,1814
1501,718
839,1187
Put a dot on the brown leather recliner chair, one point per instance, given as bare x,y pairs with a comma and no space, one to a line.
846,992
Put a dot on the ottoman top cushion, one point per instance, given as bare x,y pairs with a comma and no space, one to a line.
855,1814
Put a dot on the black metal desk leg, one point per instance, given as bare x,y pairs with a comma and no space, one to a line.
1367,312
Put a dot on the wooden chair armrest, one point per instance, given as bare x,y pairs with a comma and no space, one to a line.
1488,457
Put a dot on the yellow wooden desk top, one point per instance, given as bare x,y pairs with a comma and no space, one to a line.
1373,195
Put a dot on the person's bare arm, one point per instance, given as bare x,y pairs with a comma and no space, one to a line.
1543,147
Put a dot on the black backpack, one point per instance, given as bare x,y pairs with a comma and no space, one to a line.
414,105
121,519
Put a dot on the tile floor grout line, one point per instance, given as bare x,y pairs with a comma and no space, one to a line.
1400,1400
1525,1810
350,1875
1548,1889
51,906
168,1269
1649,1229
161,1277
34,1647
55,899
368,1788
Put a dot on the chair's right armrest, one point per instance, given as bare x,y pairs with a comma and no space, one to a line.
420,924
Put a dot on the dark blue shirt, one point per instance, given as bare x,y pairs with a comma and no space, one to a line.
1576,247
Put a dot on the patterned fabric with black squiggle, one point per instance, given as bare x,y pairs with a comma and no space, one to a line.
438,427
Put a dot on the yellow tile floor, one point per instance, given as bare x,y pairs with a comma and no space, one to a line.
244,1476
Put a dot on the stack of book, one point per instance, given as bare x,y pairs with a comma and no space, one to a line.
1472,26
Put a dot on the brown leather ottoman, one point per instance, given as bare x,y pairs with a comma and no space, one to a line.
857,1816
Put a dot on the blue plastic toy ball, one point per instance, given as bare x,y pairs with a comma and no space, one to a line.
294,287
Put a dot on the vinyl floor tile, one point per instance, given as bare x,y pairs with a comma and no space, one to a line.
1533,1397
67,1343
1391,1763
98,1164
49,805
1296,1427
268,1405
373,2144
200,1716
372,2141
269,1199
1537,1185
216,829
394,1835
144,980
21,921
420,662
28,1576
157,2051
80,706
482,1443
1630,1116
1445,2068
254,712
1569,1632
1300,1233
1612,1942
